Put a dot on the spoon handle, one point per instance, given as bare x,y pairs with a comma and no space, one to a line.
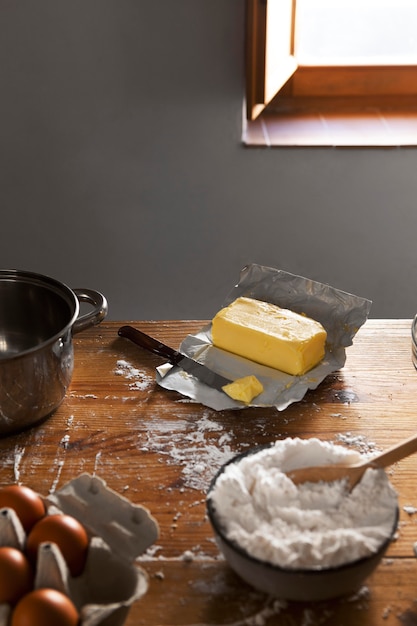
353,473
395,453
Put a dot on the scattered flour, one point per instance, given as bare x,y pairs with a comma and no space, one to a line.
188,556
59,465
262,617
359,442
18,456
96,462
65,441
139,379
410,510
200,452
312,525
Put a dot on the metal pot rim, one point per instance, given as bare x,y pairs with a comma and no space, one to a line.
59,288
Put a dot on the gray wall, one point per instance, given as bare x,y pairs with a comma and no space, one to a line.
122,168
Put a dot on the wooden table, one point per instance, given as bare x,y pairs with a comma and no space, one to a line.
160,449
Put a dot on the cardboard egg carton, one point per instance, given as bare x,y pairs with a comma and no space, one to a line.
119,532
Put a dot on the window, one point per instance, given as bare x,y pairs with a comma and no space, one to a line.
308,85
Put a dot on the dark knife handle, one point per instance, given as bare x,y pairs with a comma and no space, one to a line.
149,343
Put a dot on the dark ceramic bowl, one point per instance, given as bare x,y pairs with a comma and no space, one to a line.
304,585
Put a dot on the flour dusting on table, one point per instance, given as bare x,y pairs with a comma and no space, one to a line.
358,442
192,448
140,380
18,456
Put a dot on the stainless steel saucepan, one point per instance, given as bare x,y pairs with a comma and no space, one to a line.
38,318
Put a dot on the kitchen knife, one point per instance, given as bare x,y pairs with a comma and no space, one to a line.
203,373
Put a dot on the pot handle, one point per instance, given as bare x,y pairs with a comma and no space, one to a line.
94,317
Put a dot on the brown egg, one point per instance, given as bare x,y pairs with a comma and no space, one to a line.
45,607
16,575
67,533
26,503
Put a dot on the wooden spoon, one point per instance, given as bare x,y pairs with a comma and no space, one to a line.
353,473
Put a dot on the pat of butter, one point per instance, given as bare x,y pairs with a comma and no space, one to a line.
269,335
244,389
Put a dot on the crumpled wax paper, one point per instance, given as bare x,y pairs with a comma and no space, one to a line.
341,314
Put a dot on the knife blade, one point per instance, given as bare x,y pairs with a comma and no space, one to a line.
203,373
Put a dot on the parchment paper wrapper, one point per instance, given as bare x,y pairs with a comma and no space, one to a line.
341,314
119,532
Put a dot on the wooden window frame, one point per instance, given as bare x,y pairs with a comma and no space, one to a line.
279,87
264,75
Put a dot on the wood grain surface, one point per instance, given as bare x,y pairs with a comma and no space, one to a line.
161,450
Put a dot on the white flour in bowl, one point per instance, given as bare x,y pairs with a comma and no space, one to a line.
312,525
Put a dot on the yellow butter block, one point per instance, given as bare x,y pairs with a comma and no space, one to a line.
244,389
265,333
